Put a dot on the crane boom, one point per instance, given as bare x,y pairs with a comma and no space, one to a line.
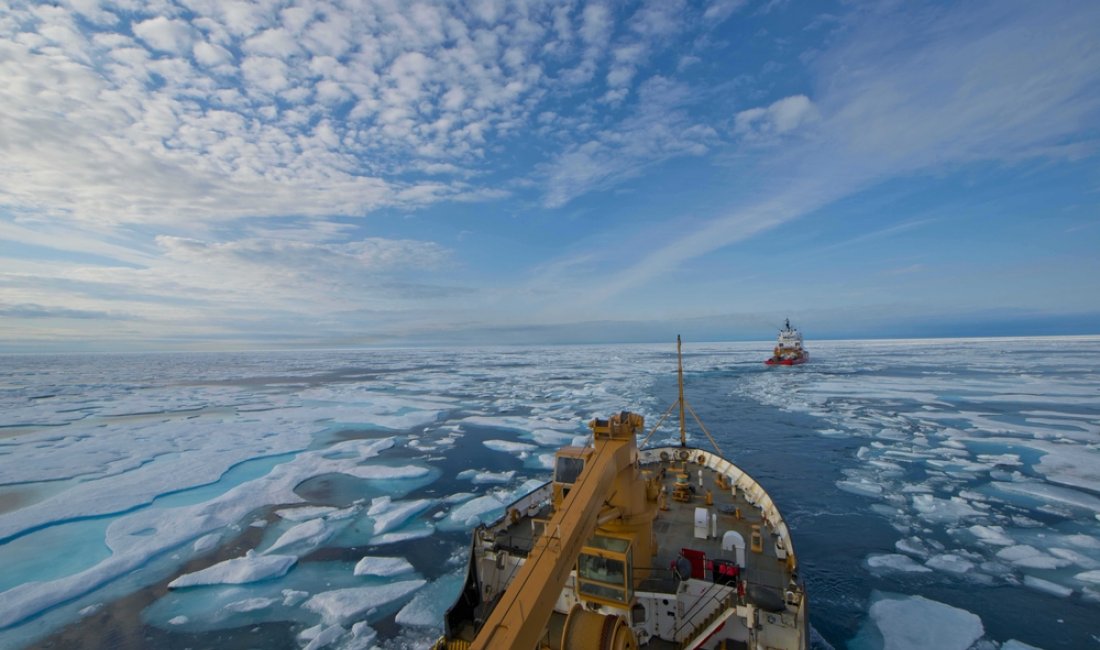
520,617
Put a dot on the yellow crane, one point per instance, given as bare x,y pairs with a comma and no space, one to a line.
610,491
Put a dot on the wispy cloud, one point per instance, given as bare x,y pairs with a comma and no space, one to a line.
903,93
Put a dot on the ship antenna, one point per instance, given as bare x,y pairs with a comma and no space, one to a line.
680,382
684,407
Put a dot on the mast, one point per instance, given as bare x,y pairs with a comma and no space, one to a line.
680,381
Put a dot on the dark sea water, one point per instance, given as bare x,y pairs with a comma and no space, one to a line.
955,484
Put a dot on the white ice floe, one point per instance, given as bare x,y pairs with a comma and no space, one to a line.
405,534
949,562
1013,644
386,567
250,568
250,605
1047,587
206,543
178,620
943,511
485,508
482,476
993,535
379,472
341,606
509,446
861,488
459,497
325,637
141,535
1072,556
304,513
918,623
389,514
305,537
1023,555
1092,577
363,636
429,605
888,562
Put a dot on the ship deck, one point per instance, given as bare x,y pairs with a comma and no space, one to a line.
765,574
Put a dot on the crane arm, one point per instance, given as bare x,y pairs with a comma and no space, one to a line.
521,616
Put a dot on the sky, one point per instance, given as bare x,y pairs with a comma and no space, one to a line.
193,174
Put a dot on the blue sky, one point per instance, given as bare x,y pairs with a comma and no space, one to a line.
201,173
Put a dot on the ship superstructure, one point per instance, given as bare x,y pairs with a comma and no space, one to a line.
788,348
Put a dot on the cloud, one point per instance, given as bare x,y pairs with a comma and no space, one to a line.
165,34
658,128
781,116
900,94
719,10
38,311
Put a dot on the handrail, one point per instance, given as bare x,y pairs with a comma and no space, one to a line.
706,598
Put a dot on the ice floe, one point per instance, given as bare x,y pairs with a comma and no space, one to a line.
916,622
343,606
250,568
382,566
430,604
894,562
1046,586
481,476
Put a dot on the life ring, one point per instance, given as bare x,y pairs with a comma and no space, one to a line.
701,459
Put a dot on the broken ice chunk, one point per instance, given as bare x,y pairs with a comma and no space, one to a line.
382,566
341,606
250,568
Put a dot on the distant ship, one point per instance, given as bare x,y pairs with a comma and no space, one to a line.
632,547
788,349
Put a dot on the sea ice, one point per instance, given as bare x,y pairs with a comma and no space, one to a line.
250,604
379,472
944,511
918,623
389,514
305,537
509,446
412,531
1046,586
429,605
250,568
1030,557
481,476
341,606
372,565
950,562
994,535
304,513
894,562
206,543
325,637
1089,576
861,488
